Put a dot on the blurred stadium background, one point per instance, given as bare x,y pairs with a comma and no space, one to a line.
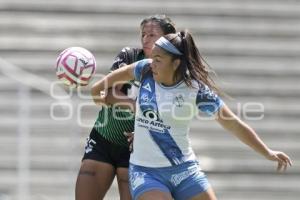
253,45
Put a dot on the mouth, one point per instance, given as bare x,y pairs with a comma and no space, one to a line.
146,48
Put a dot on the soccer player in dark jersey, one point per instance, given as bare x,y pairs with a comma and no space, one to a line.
107,149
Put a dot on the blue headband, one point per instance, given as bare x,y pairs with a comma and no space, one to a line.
168,46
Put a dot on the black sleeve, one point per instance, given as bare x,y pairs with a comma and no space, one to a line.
125,57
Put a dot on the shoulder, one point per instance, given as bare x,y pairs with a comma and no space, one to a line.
207,100
143,63
131,54
131,50
204,92
140,67
126,56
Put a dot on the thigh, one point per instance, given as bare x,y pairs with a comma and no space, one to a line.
155,194
206,195
94,179
122,178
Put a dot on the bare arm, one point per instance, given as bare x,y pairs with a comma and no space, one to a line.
100,88
248,136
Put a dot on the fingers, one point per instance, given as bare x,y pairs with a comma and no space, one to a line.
131,147
283,161
128,134
289,160
286,158
281,167
130,137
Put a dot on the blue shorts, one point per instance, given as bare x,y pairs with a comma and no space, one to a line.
183,181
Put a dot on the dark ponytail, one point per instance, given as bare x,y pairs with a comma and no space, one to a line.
192,65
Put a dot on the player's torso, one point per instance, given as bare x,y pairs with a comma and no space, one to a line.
174,107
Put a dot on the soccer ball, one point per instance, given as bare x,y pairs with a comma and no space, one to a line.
75,66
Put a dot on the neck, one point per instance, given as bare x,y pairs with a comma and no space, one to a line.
170,82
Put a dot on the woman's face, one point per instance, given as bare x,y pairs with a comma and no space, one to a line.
163,67
150,32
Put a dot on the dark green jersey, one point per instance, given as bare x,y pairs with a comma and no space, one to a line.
112,122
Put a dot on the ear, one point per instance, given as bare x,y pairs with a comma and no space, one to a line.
176,64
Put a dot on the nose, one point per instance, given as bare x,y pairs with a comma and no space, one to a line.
145,39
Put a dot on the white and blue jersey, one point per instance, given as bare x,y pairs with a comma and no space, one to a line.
163,115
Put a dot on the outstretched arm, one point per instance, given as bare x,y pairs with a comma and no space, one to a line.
116,77
248,136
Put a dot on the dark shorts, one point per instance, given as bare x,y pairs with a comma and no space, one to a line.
99,149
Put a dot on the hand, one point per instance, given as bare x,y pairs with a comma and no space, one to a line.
130,137
282,159
100,99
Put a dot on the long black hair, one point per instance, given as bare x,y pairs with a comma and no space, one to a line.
165,23
192,65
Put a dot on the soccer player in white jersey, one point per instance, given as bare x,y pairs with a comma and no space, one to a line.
174,86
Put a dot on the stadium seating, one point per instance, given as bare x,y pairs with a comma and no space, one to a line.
252,45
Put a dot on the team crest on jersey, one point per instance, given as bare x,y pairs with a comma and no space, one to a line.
178,100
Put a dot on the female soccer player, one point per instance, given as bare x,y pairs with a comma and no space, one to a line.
174,84
106,152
